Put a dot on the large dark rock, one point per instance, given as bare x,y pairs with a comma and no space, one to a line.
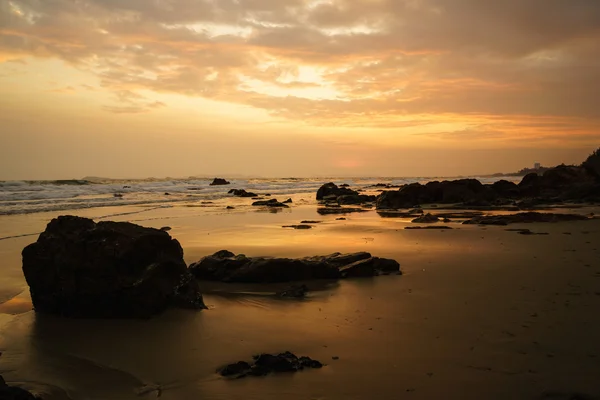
372,266
242,193
457,191
355,199
13,392
265,364
339,210
79,268
331,189
406,197
564,182
506,189
227,267
219,181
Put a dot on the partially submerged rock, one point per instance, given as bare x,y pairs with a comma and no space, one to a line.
270,203
79,268
219,181
525,217
331,189
242,193
297,226
426,219
265,364
228,267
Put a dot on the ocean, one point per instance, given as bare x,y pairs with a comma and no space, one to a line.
24,197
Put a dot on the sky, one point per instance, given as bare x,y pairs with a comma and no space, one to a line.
141,88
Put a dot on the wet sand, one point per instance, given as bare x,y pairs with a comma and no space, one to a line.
480,313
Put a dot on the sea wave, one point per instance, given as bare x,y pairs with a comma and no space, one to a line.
24,197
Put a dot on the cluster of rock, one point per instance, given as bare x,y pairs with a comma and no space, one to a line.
342,195
79,268
83,269
562,183
265,364
225,266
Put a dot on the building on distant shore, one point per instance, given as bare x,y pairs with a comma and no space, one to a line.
537,165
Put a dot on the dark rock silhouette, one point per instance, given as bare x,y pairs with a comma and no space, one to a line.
562,183
265,364
592,163
242,193
219,181
228,267
297,226
506,189
288,201
426,219
270,203
347,199
79,268
331,189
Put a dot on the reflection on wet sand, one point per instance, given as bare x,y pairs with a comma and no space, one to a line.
478,314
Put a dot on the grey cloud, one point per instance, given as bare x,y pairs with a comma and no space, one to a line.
468,57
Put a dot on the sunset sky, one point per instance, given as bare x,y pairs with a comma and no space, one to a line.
140,88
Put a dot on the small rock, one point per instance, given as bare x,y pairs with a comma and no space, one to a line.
219,181
165,228
425,219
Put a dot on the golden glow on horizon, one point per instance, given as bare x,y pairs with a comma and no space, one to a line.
372,74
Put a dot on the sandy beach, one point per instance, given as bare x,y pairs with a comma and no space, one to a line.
479,313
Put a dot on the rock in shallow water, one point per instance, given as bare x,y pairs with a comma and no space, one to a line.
227,267
265,364
331,189
219,181
242,193
79,268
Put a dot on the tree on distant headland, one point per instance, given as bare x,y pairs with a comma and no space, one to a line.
593,162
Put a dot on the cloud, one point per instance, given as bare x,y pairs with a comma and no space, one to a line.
370,63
